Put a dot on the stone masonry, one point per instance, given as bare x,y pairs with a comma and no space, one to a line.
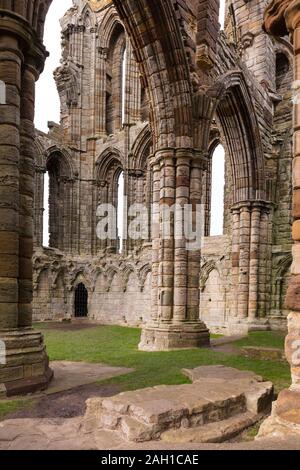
149,89
238,281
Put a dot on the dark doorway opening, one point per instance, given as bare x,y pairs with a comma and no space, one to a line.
81,301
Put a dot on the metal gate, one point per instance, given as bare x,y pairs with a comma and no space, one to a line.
81,301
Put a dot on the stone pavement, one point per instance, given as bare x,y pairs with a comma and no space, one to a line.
68,375
60,434
219,404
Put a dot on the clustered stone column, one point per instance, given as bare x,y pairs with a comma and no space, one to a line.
24,366
283,16
251,246
177,176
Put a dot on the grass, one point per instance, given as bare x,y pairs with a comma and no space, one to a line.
264,339
11,406
118,346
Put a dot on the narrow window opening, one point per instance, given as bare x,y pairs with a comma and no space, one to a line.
2,92
217,192
46,231
120,212
222,14
144,106
123,90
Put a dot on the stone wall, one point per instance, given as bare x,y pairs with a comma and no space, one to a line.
119,287
108,127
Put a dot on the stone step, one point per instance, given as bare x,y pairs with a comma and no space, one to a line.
216,395
213,432
146,414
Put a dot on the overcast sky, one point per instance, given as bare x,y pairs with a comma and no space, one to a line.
47,101
48,107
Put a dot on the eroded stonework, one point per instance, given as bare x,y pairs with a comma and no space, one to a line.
241,81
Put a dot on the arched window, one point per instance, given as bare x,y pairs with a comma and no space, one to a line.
59,196
81,301
46,231
123,78
217,191
116,80
120,212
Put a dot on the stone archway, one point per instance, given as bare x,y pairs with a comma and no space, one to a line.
178,161
81,301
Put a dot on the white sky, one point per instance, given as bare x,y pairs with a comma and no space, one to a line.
48,106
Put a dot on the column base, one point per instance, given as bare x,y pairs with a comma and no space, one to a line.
285,418
244,326
26,368
167,337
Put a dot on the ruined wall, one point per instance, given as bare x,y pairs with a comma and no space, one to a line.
107,127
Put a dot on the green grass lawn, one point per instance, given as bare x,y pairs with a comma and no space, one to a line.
117,346
265,339
11,406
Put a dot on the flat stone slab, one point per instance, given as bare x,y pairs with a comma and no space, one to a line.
68,375
44,434
220,373
217,394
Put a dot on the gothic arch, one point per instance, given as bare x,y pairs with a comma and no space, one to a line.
143,273
159,50
63,158
237,117
206,269
113,42
87,16
60,171
141,149
109,165
110,22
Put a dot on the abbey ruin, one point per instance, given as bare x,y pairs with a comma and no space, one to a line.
239,280
148,92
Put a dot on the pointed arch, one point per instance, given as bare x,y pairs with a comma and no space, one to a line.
142,148
109,165
159,50
110,23
237,119
59,167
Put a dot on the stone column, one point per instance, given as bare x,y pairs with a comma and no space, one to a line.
254,264
283,16
250,256
155,238
26,166
243,287
39,206
175,291
10,73
235,255
25,368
